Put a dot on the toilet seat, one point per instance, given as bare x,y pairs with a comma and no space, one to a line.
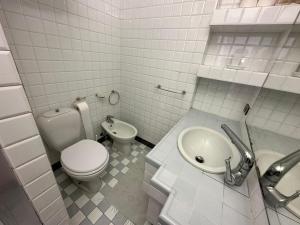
84,158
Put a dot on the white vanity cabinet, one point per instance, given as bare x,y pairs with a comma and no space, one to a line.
156,198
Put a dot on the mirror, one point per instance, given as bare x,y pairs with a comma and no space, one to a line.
273,125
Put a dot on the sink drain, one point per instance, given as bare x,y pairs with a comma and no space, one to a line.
199,159
114,132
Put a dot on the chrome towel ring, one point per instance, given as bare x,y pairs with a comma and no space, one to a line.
112,93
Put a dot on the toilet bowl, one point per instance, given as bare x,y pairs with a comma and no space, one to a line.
122,134
82,159
84,162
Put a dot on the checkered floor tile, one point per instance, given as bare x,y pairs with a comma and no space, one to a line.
88,209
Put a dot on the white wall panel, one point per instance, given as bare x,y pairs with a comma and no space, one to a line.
8,73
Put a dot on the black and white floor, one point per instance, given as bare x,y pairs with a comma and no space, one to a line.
120,201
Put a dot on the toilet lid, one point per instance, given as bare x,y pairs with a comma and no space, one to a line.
84,156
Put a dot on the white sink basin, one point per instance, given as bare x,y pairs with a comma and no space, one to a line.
288,184
210,145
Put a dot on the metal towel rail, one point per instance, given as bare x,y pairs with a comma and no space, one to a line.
176,92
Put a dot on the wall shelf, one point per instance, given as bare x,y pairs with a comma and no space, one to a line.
267,19
274,81
283,83
232,75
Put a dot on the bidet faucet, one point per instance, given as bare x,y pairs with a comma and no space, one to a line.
237,175
109,119
273,175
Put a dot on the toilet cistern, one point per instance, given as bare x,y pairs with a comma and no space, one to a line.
63,131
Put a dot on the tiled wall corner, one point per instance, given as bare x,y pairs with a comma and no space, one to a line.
64,49
22,145
241,50
161,43
288,59
284,74
276,111
224,99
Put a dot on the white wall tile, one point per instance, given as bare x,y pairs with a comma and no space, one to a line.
230,216
282,75
219,17
65,221
40,184
288,14
21,37
287,221
238,202
30,8
25,151
34,24
238,15
60,218
93,41
164,47
268,15
273,217
46,198
13,101
223,98
250,15
262,219
56,206
243,77
16,20
240,50
257,79
283,115
256,202
33,169
15,129
298,20
3,42
8,74
291,84
19,136
234,16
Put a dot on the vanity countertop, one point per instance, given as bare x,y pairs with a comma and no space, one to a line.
196,197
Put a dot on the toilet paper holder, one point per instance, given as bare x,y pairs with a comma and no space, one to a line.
80,98
99,96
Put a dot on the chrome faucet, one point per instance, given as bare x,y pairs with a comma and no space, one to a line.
237,175
273,175
109,119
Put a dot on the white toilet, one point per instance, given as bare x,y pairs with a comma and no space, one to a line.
82,159
122,134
